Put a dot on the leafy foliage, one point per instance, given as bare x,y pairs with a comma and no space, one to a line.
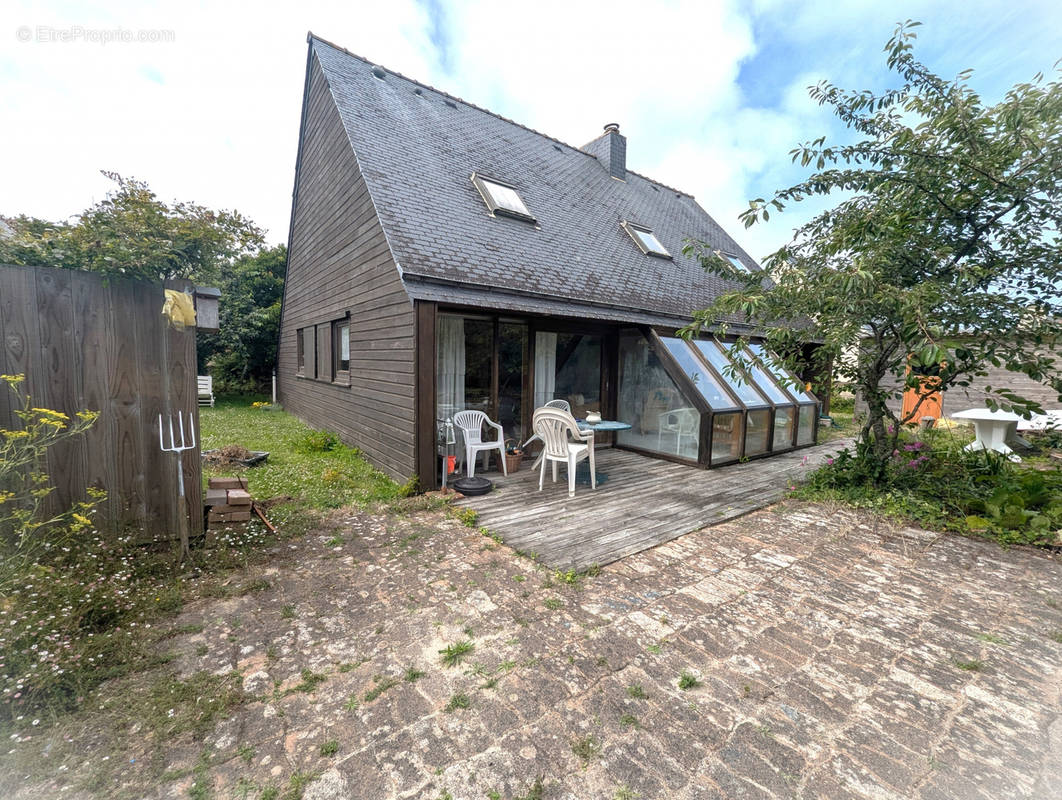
241,355
944,256
134,234
26,532
936,482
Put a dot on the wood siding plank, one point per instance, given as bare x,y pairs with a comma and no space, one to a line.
339,262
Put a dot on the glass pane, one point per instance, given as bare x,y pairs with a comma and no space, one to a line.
568,367
745,391
511,361
757,431
506,198
765,383
649,241
735,261
706,384
809,418
463,364
662,418
787,378
784,419
344,347
726,437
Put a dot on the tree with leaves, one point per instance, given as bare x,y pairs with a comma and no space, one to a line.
243,352
944,255
134,234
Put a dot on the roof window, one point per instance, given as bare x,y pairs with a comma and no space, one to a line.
733,259
501,198
645,239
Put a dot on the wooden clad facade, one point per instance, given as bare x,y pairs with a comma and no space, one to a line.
84,342
342,277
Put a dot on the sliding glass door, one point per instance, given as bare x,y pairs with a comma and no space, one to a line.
568,367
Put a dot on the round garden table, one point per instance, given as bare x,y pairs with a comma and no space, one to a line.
992,429
582,472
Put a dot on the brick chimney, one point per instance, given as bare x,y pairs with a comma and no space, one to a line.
610,148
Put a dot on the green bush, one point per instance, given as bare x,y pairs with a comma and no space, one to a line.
937,483
319,442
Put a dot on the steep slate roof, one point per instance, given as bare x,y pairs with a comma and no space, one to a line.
417,149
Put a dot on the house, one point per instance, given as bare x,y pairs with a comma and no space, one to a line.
443,257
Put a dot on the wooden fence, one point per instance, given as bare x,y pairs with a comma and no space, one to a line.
83,341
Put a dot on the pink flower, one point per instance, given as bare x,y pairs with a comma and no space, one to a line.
829,461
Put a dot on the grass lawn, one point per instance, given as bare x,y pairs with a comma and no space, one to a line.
316,471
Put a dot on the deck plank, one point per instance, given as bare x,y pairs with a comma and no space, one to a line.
644,503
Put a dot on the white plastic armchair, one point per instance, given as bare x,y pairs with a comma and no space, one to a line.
553,425
563,405
685,423
471,424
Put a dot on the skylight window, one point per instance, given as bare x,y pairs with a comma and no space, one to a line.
733,259
501,198
646,240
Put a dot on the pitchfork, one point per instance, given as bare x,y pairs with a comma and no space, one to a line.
174,447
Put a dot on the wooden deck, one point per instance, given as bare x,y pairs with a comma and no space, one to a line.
644,502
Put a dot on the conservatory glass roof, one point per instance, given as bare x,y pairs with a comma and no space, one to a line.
787,379
750,396
705,382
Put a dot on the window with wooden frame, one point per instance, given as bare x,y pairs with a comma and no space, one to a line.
300,353
341,351
308,346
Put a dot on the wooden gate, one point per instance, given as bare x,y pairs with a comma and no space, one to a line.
85,341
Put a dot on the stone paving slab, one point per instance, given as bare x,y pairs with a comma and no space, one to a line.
827,652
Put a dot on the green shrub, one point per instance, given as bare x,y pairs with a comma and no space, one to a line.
936,482
318,442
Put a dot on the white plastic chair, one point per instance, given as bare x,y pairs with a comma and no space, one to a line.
205,388
471,424
683,422
563,405
553,425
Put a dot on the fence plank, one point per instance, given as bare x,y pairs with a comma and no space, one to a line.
184,397
95,340
61,375
155,473
124,382
21,336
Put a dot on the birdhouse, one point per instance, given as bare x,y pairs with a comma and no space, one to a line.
206,307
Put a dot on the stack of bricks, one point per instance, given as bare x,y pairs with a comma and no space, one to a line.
229,502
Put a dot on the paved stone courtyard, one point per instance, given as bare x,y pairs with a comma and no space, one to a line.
830,655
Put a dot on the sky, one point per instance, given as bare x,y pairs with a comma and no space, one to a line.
202,99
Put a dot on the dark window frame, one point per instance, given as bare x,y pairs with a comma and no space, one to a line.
340,374
300,352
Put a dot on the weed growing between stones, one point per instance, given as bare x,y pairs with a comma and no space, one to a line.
455,652
687,680
586,749
459,701
329,748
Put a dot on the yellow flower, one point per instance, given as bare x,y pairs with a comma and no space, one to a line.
82,519
48,412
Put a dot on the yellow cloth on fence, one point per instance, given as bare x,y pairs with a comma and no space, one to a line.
178,309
